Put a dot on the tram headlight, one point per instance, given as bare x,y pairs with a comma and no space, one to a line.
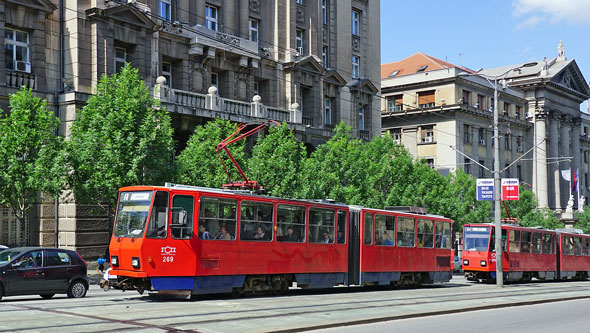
114,261
466,262
135,262
483,263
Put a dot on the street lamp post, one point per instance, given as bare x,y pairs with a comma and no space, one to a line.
496,172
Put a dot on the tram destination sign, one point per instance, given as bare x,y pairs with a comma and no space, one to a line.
510,189
485,189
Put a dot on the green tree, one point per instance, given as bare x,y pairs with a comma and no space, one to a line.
29,152
276,161
543,217
518,209
121,137
584,220
198,164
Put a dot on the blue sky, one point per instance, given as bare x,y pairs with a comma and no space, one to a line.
493,33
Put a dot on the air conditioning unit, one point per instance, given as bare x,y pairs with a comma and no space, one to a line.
22,66
482,142
528,115
398,141
299,51
519,149
428,139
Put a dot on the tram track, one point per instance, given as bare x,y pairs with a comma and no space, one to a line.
314,305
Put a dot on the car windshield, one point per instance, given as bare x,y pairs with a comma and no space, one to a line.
476,238
132,213
8,255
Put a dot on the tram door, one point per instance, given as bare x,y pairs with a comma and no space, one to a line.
354,246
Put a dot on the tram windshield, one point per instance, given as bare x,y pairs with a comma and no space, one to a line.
476,238
132,213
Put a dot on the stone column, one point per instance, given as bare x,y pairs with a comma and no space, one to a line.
540,183
575,152
565,152
554,167
475,151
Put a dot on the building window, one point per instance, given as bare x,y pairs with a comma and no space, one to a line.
167,73
507,172
426,99
211,17
517,112
466,134
467,165
427,134
481,169
253,30
466,97
430,162
519,172
507,141
395,103
585,156
519,143
214,79
16,50
506,109
256,88
361,118
480,104
482,136
396,134
356,18
299,41
491,108
325,56
325,11
356,67
120,58
328,111
164,10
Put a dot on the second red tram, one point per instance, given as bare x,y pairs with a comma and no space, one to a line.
193,240
527,253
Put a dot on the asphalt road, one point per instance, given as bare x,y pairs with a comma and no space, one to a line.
299,310
565,316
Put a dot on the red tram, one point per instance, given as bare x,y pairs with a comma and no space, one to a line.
192,240
527,253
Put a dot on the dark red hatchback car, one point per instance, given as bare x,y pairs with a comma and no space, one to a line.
42,271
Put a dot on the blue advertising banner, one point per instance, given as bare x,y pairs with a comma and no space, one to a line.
485,189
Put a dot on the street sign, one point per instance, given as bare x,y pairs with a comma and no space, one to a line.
485,188
510,189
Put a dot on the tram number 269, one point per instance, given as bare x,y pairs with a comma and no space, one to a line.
168,259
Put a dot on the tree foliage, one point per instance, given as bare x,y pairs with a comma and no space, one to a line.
583,220
29,152
543,217
276,161
121,137
198,164
518,209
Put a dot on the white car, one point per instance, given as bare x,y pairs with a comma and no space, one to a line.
2,247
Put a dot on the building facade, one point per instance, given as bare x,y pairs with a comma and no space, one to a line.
310,63
443,113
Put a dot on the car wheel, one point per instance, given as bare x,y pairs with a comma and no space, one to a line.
77,289
46,296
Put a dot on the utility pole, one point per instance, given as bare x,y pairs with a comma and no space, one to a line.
497,212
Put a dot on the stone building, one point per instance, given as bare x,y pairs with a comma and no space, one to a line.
310,63
443,113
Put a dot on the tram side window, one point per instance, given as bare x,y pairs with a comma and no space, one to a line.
493,241
256,221
290,223
341,237
384,230
525,242
159,216
577,246
568,245
586,250
443,235
536,246
425,233
406,233
321,225
514,241
217,218
368,229
181,226
548,244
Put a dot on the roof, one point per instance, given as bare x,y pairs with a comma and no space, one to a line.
413,63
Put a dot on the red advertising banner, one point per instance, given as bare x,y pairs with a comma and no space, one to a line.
510,189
